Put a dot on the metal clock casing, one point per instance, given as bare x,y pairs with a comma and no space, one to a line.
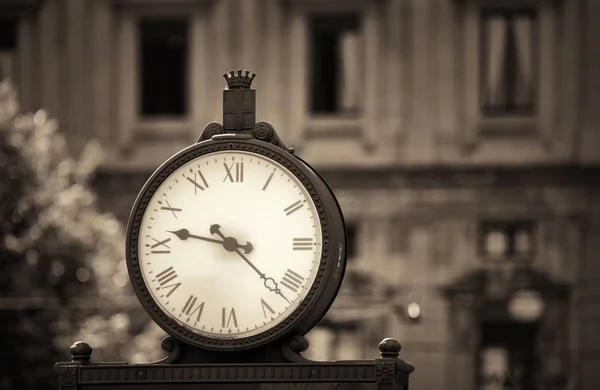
333,255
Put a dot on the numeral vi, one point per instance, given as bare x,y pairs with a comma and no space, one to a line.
226,319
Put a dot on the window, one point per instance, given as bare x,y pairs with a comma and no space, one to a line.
501,240
507,356
8,45
336,66
509,74
163,73
352,244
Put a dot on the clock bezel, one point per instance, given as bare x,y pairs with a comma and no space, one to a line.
333,253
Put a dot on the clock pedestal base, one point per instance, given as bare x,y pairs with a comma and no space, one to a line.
177,372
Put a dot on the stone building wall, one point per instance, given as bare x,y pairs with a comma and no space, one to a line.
416,161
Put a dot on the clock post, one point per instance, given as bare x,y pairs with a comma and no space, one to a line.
208,345
239,101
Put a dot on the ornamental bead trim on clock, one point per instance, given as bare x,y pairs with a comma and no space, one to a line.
230,244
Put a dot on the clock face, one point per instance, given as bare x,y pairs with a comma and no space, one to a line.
230,244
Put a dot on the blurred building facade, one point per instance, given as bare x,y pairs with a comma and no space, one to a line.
462,138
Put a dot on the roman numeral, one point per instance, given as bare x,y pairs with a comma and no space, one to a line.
169,208
302,244
234,175
293,207
197,176
268,180
190,308
225,324
159,245
292,280
166,276
265,305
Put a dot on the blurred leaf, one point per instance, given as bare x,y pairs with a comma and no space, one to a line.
57,247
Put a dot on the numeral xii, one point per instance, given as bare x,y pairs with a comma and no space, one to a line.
234,172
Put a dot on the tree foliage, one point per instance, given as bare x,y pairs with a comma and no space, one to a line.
62,273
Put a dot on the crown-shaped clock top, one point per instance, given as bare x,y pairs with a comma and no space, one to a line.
240,79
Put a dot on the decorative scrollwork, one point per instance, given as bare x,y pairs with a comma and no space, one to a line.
211,130
67,374
385,371
263,131
292,348
174,349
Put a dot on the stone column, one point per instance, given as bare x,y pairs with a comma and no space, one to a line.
25,60
249,39
102,81
199,65
372,34
126,82
77,116
569,75
51,54
298,72
422,112
221,39
445,66
395,67
589,146
468,54
547,51
269,107
464,337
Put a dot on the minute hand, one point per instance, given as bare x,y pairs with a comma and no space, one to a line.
269,282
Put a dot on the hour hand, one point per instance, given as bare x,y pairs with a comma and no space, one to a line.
229,243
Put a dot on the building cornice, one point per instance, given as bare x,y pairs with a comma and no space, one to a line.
434,176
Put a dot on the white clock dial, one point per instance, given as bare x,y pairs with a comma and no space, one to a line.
230,244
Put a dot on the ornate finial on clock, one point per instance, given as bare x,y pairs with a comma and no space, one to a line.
239,101
239,79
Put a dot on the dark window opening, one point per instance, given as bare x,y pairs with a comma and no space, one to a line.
507,239
351,243
8,34
163,61
507,356
8,46
509,62
336,74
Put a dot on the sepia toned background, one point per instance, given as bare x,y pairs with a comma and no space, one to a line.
461,137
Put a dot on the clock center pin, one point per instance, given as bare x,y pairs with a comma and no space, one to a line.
230,244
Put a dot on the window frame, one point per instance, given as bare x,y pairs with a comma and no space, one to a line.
477,127
302,125
131,124
507,14
357,19
510,257
144,117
